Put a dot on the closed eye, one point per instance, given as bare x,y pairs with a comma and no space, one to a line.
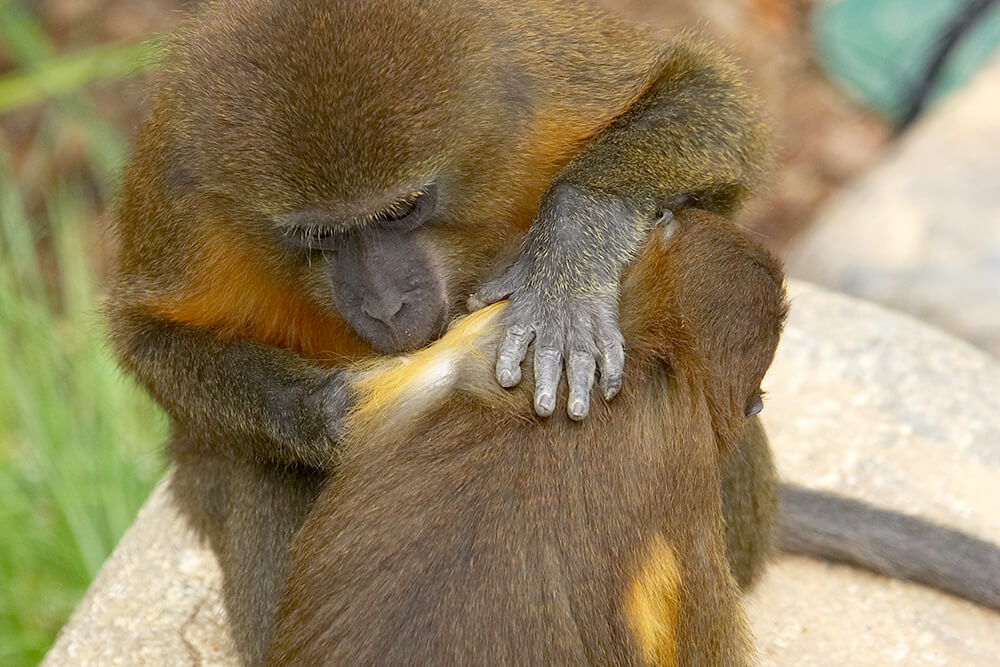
322,232
314,237
407,213
399,210
317,229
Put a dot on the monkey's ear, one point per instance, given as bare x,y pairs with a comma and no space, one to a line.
754,405
667,224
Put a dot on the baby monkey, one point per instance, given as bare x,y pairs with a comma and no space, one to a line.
458,530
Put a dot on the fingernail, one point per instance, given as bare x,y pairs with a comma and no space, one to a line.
544,404
610,392
576,409
505,378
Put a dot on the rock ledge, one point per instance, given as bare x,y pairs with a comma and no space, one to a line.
860,400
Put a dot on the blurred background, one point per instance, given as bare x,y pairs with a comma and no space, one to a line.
846,82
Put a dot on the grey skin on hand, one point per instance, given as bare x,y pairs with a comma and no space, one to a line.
563,292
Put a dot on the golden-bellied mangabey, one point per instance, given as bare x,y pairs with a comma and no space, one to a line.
319,180
460,529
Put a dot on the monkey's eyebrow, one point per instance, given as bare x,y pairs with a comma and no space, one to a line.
400,203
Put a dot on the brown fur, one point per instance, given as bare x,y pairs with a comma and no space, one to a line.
270,106
470,533
750,489
501,115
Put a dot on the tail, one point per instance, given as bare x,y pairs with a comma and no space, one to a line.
829,527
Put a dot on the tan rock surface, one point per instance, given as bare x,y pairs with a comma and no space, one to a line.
860,400
921,232
156,601
877,406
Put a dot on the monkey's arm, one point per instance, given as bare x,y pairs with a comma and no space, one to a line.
263,402
694,135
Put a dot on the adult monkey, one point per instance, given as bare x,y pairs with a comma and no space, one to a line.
320,180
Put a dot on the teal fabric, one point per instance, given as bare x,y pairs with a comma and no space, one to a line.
877,50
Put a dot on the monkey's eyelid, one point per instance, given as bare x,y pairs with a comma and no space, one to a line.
314,233
309,222
319,229
398,210
409,212
313,237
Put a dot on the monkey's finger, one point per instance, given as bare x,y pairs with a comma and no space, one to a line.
611,361
548,367
513,347
580,374
612,365
500,288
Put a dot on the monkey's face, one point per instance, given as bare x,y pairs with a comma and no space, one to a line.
378,270
380,153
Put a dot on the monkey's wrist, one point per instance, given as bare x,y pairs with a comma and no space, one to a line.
330,403
589,233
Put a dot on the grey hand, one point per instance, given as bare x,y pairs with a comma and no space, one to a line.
581,331
563,292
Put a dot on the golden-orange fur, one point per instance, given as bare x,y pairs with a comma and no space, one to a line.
653,604
232,290
392,391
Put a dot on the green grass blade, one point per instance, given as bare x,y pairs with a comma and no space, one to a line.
67,74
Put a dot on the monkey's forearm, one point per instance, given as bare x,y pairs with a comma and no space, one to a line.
262,402
695,131
693,135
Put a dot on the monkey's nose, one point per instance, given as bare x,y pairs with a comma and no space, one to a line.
382,307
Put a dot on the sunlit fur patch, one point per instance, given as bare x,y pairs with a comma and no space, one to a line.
394,390
652,602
